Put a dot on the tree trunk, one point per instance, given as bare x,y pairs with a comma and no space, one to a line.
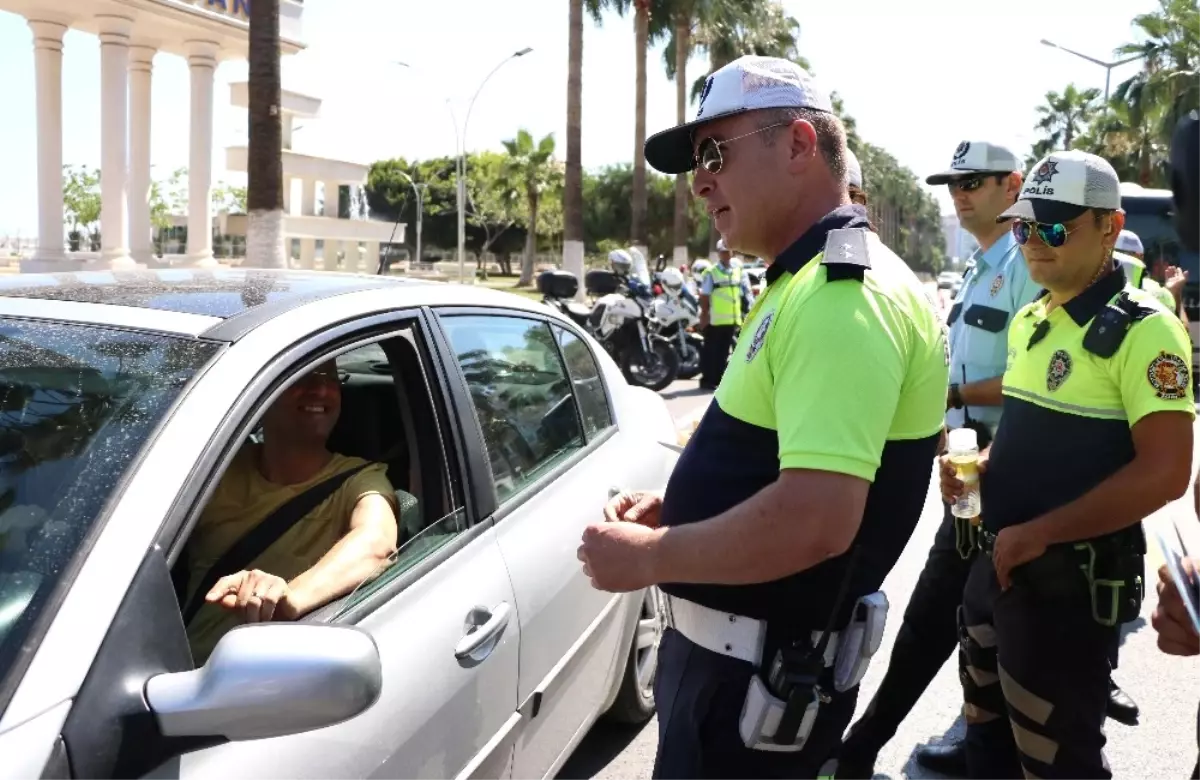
264,158
573,183
641,25
683,45
530,243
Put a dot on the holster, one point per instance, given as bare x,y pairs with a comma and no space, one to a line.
1114,567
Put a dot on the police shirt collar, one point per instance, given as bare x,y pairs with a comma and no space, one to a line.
812,243
1084,306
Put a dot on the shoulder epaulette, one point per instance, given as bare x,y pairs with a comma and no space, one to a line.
847,254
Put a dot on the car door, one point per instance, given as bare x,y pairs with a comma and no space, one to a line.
444,618
548,430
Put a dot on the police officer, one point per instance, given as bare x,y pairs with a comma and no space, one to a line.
1131,256
984,179
801,485
1096,435
722,290
854,180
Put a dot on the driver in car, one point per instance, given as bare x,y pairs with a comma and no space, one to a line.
330,550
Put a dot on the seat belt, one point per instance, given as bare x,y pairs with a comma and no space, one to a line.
258,539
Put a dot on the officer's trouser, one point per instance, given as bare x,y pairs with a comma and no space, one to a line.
718,340
699,696
927,637
1034,669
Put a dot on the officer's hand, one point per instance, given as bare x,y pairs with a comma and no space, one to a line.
1174,279
951,486
619,557
1014,546
640,506
1176,634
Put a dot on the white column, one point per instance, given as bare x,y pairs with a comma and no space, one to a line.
331,199
47,55
287,195
114,138
308,197
202,63
371,257
141,244
308,253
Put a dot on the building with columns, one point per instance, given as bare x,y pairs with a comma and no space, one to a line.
131,33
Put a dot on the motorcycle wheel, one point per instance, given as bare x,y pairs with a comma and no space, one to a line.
689,358
660,369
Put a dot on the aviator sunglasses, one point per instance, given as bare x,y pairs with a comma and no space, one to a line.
708,152
1052,235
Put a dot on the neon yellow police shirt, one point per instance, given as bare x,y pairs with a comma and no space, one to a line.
839,368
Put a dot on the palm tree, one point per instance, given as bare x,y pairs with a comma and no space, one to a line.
1171,52
1064,117
531,170
1129,135
264,164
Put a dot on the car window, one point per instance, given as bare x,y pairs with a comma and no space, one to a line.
521,393
589,387
77,403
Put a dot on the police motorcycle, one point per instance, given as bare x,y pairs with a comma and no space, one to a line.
621,319
676,314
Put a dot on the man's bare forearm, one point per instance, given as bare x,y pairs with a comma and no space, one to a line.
985,392
766,537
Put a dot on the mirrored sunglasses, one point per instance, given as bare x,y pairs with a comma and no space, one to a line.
969,184
1052,235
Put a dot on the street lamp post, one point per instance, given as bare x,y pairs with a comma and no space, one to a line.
460,167
1108,66
420,210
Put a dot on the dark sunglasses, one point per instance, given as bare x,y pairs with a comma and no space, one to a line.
969,184
1053,236
708,152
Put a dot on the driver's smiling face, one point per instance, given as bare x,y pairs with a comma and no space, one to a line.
309,408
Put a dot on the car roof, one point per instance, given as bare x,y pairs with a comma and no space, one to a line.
219,302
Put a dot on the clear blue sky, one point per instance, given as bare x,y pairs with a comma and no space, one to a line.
919,76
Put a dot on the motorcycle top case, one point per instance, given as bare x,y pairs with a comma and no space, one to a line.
601,282
558,284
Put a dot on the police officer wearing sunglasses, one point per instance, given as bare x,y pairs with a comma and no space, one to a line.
1096,435
802,484
984,179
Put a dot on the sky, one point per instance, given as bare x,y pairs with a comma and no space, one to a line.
918,76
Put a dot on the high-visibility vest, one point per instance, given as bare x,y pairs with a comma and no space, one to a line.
725,303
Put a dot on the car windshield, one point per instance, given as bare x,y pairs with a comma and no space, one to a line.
76,405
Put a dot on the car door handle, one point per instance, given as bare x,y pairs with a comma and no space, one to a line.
484,625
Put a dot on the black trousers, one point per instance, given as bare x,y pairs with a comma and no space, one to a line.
927,638
699,696
718,341
1034,666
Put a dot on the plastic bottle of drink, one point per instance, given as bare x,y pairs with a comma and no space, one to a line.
964,456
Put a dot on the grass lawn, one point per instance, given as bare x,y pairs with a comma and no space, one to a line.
509,284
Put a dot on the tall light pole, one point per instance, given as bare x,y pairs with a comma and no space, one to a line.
420,210
462,166
460,142
1108,66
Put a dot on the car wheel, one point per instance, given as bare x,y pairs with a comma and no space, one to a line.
635,701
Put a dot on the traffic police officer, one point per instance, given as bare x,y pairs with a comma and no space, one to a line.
1096,435
801,485
854,180
984,179
1130,255
722,290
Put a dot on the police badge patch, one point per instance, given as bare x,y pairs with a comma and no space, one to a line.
1168,375
960,152
760,337
1058,370
997,285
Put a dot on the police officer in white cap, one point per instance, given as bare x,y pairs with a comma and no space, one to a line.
803,482
1131,256
722,290
854,179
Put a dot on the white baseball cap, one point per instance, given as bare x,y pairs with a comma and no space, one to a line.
721,245
749,83
975,157
854,176
1063,185
1128,241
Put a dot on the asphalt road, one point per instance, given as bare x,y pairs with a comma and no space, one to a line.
1167,688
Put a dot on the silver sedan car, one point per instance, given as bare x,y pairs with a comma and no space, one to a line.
480,650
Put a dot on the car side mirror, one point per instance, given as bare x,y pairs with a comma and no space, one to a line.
270,680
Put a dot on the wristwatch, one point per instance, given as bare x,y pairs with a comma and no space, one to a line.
955,397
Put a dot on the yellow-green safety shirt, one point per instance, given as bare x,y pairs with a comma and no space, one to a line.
1068,411
841,366
724,287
